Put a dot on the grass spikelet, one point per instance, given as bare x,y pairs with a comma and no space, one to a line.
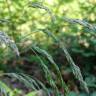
75,69
48,74
54,65
41,6
4,38
27,80
81,22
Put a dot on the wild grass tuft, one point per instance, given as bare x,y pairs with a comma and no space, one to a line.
34,83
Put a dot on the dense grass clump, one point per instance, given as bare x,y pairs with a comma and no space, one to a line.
21,43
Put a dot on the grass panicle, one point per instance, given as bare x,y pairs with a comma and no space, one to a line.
41,6
81,22
4,38
75,69
47,74
27,80
54,65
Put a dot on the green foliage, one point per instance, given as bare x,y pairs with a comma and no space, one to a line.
25,79
39,23
6,91
4,88
31,94
36,93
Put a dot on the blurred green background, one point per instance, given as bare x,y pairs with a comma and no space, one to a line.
21,22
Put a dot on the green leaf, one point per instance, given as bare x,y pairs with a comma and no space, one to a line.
5,89
32,94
